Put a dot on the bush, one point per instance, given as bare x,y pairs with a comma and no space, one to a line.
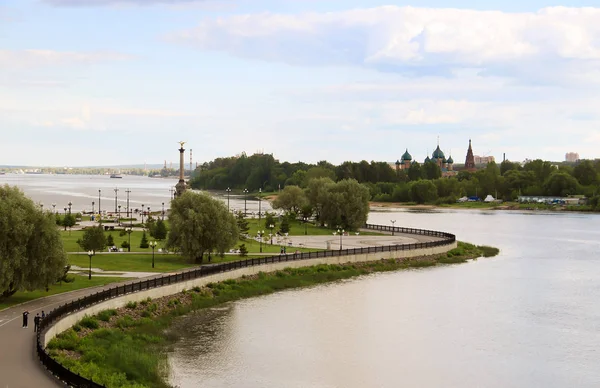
106,315
144,243
488,251
131,305
125,245
146,301
89,322
110,241
243,250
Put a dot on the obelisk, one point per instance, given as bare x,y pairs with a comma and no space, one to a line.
180,187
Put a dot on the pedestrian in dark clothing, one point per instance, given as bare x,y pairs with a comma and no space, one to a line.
43,314
25,314
36,322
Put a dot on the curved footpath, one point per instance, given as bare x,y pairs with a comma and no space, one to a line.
19,364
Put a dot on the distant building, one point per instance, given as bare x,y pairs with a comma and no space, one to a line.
483,159
438,157
470,159
571,157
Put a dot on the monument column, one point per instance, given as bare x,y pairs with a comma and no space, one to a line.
180,187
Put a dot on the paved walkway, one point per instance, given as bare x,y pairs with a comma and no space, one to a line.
19,366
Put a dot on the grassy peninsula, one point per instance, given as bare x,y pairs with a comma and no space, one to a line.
125,348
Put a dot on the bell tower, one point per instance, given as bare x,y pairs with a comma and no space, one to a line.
470,160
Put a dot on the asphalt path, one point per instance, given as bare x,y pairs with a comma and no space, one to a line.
19,366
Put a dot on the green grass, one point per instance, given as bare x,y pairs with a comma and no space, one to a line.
131,353
131,262
70,240
297,228
79,283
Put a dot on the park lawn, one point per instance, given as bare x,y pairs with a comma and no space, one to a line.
130,262
70,240
253,246
79,283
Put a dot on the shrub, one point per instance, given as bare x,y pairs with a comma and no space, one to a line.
131,305
488,251
146,301
106,314
89,322
125,245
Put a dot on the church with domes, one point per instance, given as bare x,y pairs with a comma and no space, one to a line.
438,157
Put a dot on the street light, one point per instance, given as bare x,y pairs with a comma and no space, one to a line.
129,231
70,204
271,235
341,233
116,198
128,192
93,203
142,213
228,190
260,235
393,222
41,206
90,254
152,245
245,198
54,208
305,226
99,209
163,211
259,205
119,214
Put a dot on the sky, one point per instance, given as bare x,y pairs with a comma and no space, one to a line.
107,82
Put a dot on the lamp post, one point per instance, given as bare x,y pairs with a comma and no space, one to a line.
142,213
54,208
99,209
260,235
65,210
228,190
163,211
245,198
119,215
152,245
171,191
148,219
305,226
393,222
341,233
116,198
90,254
93,203
259,206
128,192
129,231
41,206
271,235
70,204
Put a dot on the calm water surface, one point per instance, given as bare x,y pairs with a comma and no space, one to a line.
528,318
81,190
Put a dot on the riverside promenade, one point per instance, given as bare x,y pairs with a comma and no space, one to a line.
19,366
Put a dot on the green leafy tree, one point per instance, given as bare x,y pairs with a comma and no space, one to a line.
160,230
144,243
200,224
431,170
31,250
316,193
346,205
243,250
93,239
68,221
560,184
423,192
415,172
242,224
269,219
284,227
110,241
585,173
291,199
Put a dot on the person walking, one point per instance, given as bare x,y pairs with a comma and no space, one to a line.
43,314
25,314
36,322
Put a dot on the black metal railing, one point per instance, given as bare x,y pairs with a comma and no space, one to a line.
73,379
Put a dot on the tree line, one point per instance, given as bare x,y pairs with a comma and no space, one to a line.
421,183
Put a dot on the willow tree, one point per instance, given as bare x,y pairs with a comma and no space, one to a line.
31,251
201,224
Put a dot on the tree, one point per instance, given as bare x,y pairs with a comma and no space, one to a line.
110,241
200,224
585,173
415,172
243,250
316,194
285,225
560,184
242,224
346,205
431,170
423,192
31,250
160,230
93,239
68,222
269,219
144,243
291,199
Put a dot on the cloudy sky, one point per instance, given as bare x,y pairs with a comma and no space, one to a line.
101,82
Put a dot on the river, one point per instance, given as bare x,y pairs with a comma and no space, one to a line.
527,318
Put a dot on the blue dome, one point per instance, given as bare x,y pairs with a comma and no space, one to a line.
406,156
450,160
427,160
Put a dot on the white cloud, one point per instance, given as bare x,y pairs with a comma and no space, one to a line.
529,46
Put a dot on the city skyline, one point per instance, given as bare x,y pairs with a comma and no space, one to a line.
108,83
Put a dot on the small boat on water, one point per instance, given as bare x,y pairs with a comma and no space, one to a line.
116,176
